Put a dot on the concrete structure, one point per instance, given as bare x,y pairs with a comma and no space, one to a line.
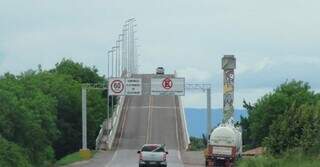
228,66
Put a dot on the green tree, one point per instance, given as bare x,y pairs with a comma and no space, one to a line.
78,71
298,127
263,114
28,119
41,110
11,155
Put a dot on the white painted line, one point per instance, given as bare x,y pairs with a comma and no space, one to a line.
150,127
153,107
149,119
177,134
121,133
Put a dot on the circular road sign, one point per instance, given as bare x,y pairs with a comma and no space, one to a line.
117,86
167,83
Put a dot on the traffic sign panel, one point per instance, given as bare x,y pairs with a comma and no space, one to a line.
168,86
167,83
133,86
116,87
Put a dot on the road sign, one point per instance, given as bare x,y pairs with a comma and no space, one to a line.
125,86
168,86
133,86
116,87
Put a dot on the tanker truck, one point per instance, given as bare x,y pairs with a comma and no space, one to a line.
224,146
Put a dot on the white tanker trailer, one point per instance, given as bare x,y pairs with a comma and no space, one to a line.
224,147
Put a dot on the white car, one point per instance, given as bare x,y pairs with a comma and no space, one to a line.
153,155
160,71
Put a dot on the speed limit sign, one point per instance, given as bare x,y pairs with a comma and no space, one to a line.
116,87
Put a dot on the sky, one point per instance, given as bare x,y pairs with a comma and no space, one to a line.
273,40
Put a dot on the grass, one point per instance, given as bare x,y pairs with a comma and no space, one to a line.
293,160
71,158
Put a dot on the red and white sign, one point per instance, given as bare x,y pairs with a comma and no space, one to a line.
167,83
116,87
168,86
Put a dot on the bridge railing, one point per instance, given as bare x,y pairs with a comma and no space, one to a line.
115,122
186,137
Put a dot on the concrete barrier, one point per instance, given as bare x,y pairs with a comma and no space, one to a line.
186,137
115,121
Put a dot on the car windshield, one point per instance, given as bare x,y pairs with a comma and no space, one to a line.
153,148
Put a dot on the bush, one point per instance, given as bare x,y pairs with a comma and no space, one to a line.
293,158
196,144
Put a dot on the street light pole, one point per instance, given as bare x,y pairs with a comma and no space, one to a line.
109,76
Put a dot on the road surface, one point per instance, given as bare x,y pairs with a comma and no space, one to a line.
149,119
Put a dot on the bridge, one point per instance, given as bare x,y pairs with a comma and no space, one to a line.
142,118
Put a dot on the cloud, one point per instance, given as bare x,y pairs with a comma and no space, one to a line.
188,36
254,65
198,99
194,75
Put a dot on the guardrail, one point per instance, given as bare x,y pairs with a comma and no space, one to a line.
115,122
184,125
106,136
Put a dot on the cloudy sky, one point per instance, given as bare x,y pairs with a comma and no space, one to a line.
272,40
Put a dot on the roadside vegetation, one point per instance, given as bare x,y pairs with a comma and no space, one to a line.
40,119
71,158
289,159
196,144
287,123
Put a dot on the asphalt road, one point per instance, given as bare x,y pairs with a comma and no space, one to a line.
147,119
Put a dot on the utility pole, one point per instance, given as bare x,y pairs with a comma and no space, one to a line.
228,66
84,118
209,126
84,152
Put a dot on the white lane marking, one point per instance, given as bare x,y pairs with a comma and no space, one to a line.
177,134
149,119
121,133
151,111
153,107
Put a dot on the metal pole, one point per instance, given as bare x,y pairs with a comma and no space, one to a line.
120,53
118,57
128,47
112,76
84,118
108,76
124,42
116,61
209,112
111,63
